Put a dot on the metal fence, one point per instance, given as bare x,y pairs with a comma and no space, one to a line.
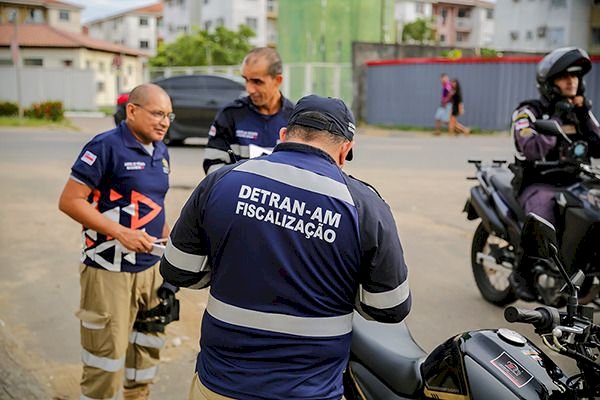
325,79
75,88
407,92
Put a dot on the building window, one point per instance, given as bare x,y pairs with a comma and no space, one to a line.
63,15
220,22
444,14
12,14
206,1
100,86
35,16
252,23
464,13
6,61
489,13
207,25
100,66
419,8
559,3
442,38
88,64
556,36
144,44
596,36
67,63
271,6
514,35
528,35
129,70
462,36
33,62
143,21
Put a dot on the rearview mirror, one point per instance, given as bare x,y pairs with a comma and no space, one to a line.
538,237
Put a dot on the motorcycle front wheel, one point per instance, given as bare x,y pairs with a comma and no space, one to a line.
489,273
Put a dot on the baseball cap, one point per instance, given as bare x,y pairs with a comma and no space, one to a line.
326,114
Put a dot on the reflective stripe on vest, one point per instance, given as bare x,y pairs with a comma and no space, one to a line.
84,397
184,261
389,299
298,177
146,340
280,323
139,375
103,363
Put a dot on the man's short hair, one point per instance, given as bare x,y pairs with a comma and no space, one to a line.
275,66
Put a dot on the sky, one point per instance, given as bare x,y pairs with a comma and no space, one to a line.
102,8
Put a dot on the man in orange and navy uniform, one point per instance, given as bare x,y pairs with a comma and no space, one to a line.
116,191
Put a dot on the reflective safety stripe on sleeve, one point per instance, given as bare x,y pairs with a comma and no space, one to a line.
384,300
298,177
139,375
144,340
103,363
280,323
84,397
184,261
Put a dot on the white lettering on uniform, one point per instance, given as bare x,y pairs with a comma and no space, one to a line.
277,209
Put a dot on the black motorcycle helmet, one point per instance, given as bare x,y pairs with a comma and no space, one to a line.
557,62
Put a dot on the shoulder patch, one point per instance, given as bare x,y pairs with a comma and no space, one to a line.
89,158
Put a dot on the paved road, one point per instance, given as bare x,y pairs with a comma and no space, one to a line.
422,178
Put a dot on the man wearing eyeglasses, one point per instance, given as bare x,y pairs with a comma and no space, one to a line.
254,120
116,190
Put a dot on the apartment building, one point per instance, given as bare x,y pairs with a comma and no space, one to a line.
464,23
181,16
58,14
140,28
543,25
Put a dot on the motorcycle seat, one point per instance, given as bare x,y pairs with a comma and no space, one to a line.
502,182
390,352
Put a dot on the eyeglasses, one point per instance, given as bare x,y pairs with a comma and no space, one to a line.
158,115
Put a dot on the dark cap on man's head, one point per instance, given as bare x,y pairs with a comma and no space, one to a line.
325,114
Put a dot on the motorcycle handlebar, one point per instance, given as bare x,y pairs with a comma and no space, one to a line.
543,318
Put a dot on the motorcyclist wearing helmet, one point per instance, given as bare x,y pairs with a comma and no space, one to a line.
561,87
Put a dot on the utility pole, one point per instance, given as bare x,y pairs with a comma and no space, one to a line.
16,57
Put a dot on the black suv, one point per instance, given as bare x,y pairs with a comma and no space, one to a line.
196,100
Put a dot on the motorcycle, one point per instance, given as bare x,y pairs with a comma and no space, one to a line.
493,364
496,250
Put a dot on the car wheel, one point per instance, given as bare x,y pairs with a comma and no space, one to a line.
169,141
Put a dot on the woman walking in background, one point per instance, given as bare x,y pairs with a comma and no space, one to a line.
458,108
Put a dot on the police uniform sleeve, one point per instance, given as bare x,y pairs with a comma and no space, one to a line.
532,145
384,293
90,166
221,138
185,260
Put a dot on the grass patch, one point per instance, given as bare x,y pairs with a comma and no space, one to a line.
33,122
107,110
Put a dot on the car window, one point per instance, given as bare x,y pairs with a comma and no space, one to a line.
218,83
183,83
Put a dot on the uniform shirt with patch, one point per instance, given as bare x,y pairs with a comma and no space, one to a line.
128,186
291,241
239,125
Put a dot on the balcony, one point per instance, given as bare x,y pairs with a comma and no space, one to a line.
463,24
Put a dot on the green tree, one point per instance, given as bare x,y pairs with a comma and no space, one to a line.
419,31
221,47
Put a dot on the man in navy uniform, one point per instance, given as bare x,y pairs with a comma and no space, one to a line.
116,191
290,246
254,120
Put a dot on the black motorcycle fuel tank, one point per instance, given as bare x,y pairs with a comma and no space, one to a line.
492,365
